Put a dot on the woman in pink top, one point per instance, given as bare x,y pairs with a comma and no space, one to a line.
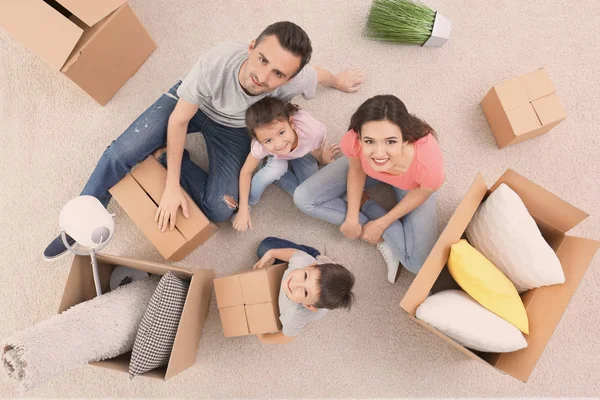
293,142
384,144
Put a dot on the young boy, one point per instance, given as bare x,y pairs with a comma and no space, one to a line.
310,286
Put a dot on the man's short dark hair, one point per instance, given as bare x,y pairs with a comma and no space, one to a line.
292,38
336,284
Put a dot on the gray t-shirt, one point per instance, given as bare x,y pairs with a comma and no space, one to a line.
294,316
213,84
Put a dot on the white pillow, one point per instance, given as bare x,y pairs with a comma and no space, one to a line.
458,316
504,232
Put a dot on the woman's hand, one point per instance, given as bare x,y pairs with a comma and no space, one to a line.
372,231
351,229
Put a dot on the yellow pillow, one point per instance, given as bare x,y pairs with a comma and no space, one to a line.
486,284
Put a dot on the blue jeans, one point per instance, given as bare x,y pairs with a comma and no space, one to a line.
285,174
411,238
276,243
227,150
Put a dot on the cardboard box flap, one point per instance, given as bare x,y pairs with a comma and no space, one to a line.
91,11
261,318
546,305
537,84
542,204
549,109
523,119
435,262
147,266
228,291
152,176
41,29
191,323
511,94
255,287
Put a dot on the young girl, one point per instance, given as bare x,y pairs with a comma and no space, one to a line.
384,144
283,133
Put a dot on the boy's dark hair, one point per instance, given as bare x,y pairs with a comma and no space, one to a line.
336,284
266,111
292,38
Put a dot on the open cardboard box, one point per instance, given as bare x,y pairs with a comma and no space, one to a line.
98,44
80,287
546,305
139,194
522,108
248,302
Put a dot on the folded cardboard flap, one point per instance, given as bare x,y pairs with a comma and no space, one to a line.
80,287
91,11
541,203
546,305
435,262
41,29
192,320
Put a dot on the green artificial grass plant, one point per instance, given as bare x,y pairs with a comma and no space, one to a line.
402,21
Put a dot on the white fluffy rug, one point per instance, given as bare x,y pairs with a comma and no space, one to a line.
98,329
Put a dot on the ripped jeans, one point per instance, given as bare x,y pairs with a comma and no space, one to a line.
227,150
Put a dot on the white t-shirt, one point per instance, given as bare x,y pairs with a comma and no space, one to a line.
213,84
294,316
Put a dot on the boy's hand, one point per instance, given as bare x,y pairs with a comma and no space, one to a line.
328,153
265,261
351,229
242,221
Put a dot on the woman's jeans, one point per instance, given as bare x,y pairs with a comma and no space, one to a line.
227,150
285,174
411,238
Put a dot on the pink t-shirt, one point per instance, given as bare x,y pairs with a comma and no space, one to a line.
426,169
311,135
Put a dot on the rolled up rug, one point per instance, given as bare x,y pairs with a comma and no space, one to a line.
98,329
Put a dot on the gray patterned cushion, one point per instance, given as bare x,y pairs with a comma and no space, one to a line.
156,333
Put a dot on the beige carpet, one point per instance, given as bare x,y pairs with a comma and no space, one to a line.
52,134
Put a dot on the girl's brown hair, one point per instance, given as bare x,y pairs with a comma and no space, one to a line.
390,108
266,111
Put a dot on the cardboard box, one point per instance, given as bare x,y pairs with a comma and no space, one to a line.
544,305
522,108
98,44
80,287
139,194
248,301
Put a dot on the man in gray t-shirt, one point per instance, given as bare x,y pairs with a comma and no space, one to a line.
311,286
212,100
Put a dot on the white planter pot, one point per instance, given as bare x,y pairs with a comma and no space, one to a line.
442,27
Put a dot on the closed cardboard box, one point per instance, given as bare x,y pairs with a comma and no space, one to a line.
80,287
546,305
248,301
139,194
522,108
98,44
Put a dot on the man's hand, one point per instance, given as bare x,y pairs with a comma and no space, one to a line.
242,221
349,81
372,231
351,229
265,261
328,153
170,202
